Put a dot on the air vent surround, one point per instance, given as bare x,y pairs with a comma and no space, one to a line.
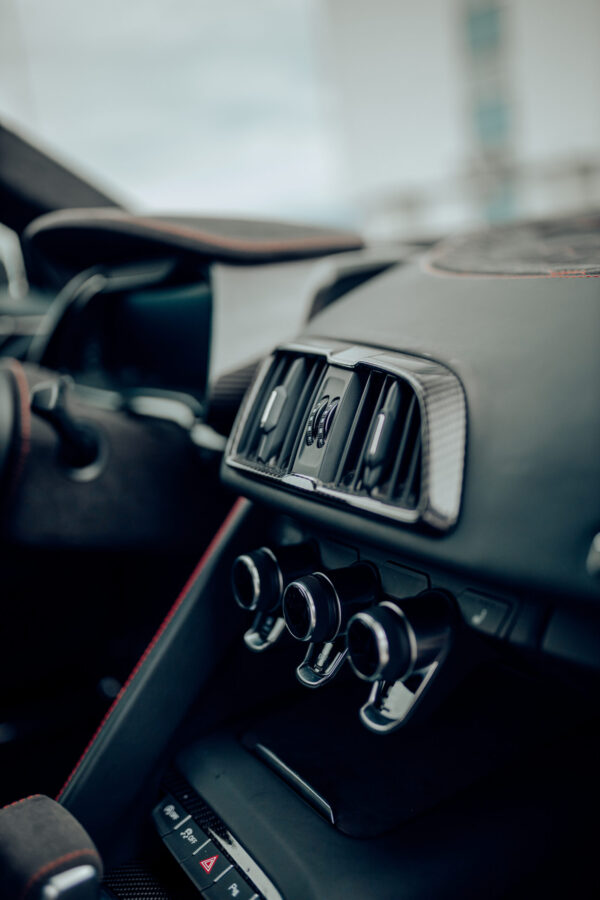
397,444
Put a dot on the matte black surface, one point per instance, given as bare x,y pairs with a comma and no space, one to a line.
374,783
58,245
510,837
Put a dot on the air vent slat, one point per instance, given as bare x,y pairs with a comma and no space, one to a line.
381,456
354,429
409,495
402,447
305,403
354,485
249,441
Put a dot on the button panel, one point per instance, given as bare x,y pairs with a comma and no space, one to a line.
211,857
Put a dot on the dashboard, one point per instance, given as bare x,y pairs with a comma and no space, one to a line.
514,454
390,648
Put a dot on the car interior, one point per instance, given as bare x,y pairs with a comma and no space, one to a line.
327,625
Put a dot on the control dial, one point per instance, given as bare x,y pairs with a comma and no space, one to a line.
391,641
317,607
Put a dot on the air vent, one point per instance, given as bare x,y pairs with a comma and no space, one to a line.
277,416
382,454
374,431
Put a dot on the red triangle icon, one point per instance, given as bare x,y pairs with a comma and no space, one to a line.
208,863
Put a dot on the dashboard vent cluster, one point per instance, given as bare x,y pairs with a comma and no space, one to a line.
381,457
273,430
371,430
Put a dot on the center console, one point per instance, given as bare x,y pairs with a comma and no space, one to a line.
345,702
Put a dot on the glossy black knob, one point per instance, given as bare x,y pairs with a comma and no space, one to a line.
317,607
259,577
394,639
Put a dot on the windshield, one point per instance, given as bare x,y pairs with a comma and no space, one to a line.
400,118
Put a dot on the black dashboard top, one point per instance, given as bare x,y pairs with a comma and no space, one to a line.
526,353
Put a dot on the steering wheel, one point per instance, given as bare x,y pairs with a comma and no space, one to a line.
15,422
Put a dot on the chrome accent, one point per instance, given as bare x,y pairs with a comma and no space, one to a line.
80,883
268,408
443,411
255,642
312,611
255,579
270,553
304,482
412,638
593,557
377,435
390,704
383,647
329,656
296,781
337,599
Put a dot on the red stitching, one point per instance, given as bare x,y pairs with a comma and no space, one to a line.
186,588
56,862
23,800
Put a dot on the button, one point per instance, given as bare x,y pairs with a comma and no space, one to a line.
205,866
186,840
482,612
168,815
231,887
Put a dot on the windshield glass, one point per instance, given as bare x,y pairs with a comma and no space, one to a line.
404,119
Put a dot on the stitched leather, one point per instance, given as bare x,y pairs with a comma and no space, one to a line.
55,864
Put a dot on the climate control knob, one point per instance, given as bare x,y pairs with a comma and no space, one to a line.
259,577
258,580
393,640
317,607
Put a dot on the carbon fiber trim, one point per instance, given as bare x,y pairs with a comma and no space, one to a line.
133,881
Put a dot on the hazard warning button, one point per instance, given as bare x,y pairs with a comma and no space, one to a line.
206,865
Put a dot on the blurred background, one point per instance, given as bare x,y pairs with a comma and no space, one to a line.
404,119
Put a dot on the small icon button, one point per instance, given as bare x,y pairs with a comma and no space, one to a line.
186,840
231,885
206,865
486,614
168,815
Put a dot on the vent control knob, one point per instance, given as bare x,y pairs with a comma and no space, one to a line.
326,420
314,420
317,607
258,579
391,641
